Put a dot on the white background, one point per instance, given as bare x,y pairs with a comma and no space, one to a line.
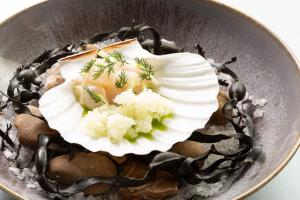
283,18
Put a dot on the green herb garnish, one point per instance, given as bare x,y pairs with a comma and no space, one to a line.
86,68
122,80
99,71
147,69
110,65
96,97
119,57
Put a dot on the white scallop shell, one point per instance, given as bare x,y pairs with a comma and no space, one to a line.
186,79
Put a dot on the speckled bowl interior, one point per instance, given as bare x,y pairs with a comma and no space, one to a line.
264,64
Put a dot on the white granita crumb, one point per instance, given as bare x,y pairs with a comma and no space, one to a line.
134,114
143,125
118,125
153,103
147,102
95,123
258,113
125,98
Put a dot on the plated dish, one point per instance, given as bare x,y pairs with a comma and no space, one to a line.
264,65
120,113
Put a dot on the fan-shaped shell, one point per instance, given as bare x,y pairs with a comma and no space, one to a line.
186,79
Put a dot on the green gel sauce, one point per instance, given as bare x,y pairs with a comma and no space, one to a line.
85,111
156,125
145,135
131,140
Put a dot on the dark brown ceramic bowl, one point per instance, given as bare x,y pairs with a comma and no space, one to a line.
265,65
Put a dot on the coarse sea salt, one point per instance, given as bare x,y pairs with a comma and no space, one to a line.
259,102
8,154
26,174
258,113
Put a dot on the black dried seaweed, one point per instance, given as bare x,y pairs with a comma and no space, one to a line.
237,91
224,69
233,60
5,138
137,31
200,50
197,136
223,82
166,47
26,84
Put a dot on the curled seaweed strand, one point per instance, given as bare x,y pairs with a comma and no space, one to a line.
166,48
